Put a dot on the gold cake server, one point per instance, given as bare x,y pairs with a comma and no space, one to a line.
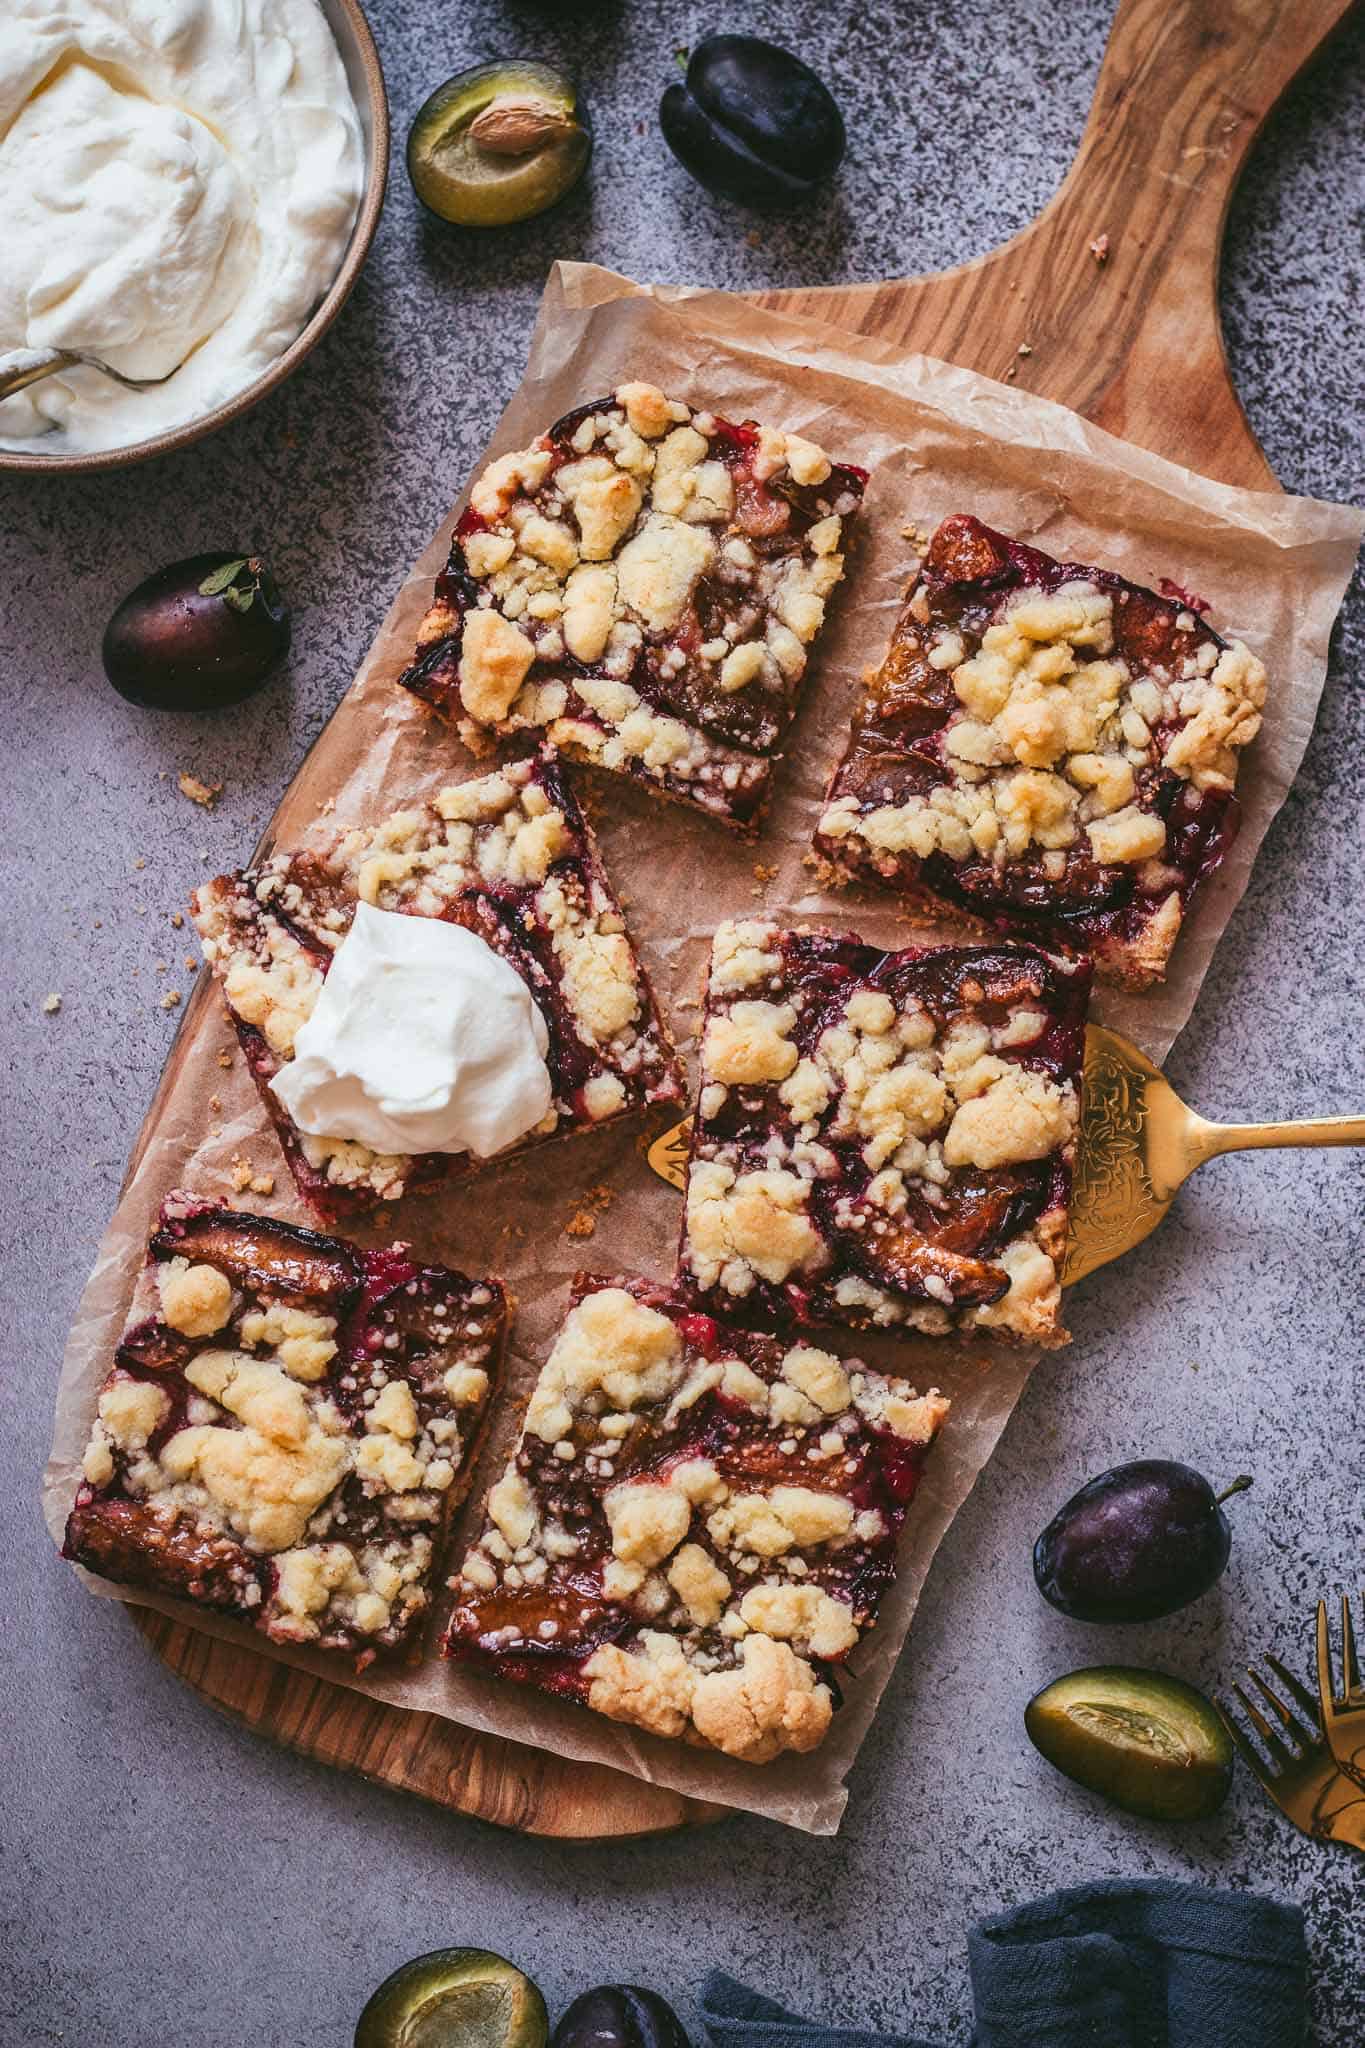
1138,1144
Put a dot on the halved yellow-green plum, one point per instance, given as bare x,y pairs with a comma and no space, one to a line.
497,144
455,1998
1150,1743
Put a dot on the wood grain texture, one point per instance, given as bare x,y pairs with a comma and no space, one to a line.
1134,343
494,1780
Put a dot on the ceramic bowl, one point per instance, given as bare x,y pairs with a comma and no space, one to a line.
361,60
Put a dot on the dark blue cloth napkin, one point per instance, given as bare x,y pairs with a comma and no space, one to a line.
1116,1964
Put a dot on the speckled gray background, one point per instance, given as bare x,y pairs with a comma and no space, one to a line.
167,1879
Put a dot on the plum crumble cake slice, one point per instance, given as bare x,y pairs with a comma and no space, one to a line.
884,1139
697,1525
643,584
286,1428
508,855
1049,748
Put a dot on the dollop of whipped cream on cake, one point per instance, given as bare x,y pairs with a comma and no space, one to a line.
178,184
422,1040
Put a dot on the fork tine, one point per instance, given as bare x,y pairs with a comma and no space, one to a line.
1279,1754
1350,1677
1250,1755
1302,1737
1326,1689
1303,1699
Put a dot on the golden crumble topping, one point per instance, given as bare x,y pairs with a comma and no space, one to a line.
515,839
260,1467
874,1132
723,1508
643,585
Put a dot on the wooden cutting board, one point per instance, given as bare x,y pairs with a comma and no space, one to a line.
1107,303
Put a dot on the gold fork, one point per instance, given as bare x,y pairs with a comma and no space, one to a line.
1138,1143
1301,1775
1343,1711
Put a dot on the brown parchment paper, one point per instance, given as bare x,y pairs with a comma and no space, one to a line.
936,439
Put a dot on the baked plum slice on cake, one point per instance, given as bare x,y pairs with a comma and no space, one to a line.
286,1427
507,858
643,584
697,1526
1047,748
884,1139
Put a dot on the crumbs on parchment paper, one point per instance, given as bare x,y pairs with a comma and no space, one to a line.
583,1222
245,1177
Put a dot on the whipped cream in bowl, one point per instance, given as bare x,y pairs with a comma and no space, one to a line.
423,1039
188,190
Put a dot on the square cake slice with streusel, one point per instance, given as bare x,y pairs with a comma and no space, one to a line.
884,1139
644,584
1047,748
286,1427
538,1023
697,1527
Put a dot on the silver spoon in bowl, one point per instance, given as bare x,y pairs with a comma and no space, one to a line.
23,366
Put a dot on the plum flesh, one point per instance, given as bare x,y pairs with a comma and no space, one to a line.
1145,1741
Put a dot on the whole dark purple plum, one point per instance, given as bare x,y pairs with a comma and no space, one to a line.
198,634
1135,1543
753,123
620,2016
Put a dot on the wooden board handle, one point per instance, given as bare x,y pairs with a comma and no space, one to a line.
1133,341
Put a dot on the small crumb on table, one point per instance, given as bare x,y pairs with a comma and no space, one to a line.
205,794
52,1003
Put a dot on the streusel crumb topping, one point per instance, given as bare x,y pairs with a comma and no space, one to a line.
644,584
292,1460
509,855
875,1132
1050,748
695,1524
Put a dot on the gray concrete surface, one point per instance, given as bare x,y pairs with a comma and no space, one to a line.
167,1879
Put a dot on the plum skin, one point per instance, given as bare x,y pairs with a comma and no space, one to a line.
1135,1543
619,2016
753,123
172,646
